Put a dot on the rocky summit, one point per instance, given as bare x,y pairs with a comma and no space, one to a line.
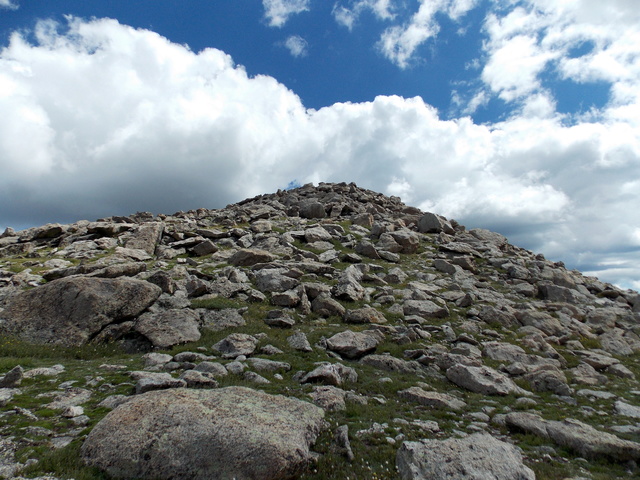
321,332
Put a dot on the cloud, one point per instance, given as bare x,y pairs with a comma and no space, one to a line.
277,12
8,4
399,43
581,41
296,45
347,16
103,119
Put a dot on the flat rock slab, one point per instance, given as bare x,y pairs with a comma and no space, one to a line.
627,410
71,311
424,308
575,435
477,457
431,399
483,380
352,344
226,433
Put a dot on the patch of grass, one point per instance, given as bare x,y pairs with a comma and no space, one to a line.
19,351
65,463
216,303
590,343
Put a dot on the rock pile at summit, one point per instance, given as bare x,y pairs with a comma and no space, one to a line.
336,299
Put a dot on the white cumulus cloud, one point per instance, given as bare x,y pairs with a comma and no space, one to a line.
399,43
277,12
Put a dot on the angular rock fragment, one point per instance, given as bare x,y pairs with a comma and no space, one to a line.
478,456
424,308
12,378
364,315
483,380
390,363
249,257
218,320
170,327
579,437
432,223
298,341
235,345
334,374
352,345
329,398
431,399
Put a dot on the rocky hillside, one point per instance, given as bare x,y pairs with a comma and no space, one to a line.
321,332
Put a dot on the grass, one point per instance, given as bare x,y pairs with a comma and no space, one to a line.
15,350
216,303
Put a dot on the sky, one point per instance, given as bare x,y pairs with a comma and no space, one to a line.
520,116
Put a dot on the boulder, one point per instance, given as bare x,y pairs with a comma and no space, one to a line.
312,209
226,433
334,374
575,435
170,327
432,223
548,378
72,311
272,280
364,315
407,239
329,398
431,399
317,234
477,457
542,321
298,341
425,309
389,363
248,257
483,380
235,345
148,381
12,378
265,365
217,320
326,306
146,237
352,344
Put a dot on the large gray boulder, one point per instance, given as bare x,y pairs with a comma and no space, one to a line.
236,344
575,435
433,223
146,237
425,309
72,311
431,399
477,457
483,380
226,433
247,257
352,344
170,327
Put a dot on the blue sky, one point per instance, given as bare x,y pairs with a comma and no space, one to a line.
522,116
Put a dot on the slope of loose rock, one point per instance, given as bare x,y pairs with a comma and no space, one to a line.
401,325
